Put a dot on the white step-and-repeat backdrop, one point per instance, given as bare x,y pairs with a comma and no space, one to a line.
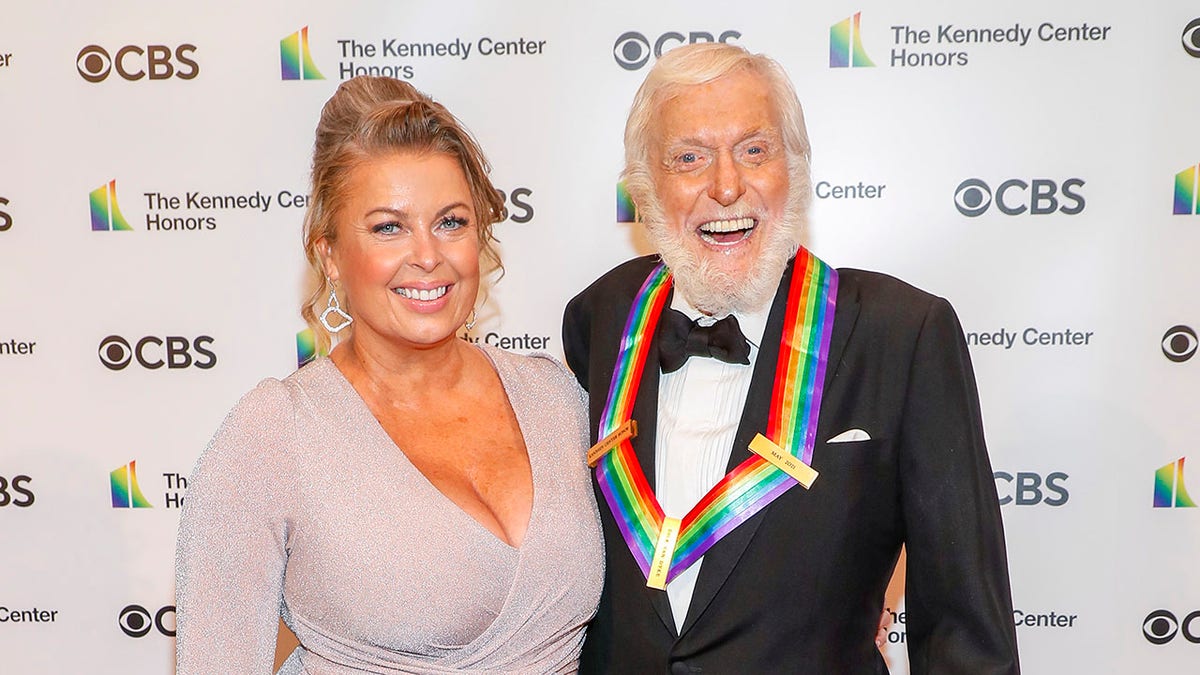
1036,163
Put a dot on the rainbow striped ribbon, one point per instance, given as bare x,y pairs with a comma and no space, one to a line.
792,424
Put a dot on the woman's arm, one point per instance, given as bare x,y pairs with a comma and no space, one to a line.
233,539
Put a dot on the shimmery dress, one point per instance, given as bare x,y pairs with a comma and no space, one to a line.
302,506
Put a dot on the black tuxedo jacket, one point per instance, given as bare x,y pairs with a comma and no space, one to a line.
799,587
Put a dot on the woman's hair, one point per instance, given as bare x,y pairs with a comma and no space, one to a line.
370,117
697,64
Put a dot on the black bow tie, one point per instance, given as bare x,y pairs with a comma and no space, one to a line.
680,337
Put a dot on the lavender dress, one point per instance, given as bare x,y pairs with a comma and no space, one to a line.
303,507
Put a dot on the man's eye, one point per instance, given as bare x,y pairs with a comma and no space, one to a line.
688,157
754,150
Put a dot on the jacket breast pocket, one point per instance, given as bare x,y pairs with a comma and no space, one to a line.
856,477
869,451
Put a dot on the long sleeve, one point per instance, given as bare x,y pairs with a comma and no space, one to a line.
958,600
233,539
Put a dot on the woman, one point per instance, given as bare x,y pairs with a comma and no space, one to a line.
413,503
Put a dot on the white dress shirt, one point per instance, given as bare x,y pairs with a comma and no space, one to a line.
699,409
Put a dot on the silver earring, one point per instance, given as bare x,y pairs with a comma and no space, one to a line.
471,321
335,307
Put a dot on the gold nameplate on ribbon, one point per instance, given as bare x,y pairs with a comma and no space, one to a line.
784,461
627,430
663,552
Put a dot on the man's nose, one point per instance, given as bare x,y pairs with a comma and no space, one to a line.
727,186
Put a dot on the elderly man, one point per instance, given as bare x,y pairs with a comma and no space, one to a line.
755,498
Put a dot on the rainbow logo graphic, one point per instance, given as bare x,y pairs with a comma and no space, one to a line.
1168,487
295,58
125,491
1186,190
106,215
845,44
306,348
626,210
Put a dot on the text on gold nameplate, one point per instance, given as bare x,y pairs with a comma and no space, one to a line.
784,461
664,551
606,444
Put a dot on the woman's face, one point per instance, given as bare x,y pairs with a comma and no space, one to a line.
407,250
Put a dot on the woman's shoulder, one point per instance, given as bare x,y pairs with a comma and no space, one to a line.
266,416
259,421
272,399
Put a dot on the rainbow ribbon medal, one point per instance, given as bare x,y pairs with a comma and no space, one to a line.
663,547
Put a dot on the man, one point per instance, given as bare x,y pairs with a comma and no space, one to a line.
872,406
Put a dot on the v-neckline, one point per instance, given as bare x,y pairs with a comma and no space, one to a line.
385,440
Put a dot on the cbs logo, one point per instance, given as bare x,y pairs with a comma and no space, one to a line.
1039,196
1179,343
5,217
15,492
1027,488
134,63
1191,38
632,50
136,621
153,353
1161,626
517,198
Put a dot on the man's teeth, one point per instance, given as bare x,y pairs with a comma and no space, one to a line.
733,225
422,293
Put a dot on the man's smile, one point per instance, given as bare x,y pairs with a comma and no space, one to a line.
727,232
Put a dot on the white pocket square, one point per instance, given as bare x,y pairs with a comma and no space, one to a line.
850,435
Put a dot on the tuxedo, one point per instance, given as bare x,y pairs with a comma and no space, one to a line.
799,587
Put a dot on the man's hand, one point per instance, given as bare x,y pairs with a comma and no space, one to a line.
881,634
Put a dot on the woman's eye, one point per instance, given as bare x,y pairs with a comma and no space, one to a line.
385,228
452,223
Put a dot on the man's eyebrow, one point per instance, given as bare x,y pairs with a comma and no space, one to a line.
691,140
758,132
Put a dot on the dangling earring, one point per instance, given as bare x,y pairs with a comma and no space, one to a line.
334,307
471,320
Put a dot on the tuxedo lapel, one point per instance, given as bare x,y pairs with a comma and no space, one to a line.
844,318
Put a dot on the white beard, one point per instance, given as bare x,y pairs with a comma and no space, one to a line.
713,290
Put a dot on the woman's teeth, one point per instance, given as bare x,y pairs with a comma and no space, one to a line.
422,293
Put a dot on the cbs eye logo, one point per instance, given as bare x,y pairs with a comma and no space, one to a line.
152,353
972,197
1161,626
135,621
1039,196
1191,38
632,50
154,62
1179,343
